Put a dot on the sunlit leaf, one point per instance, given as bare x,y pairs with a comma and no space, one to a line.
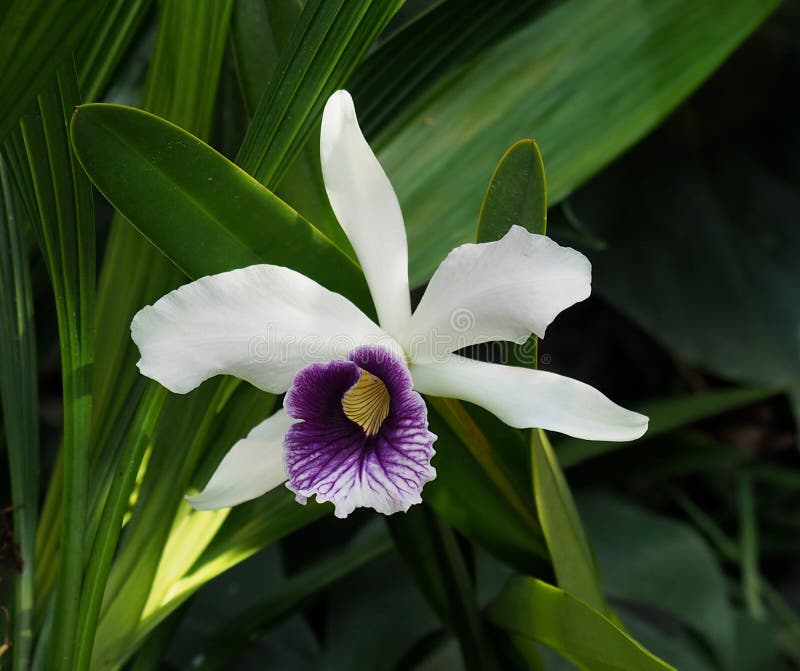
536,610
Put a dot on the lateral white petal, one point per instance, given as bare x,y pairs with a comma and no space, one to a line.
252,467
530,398
367,209
503,290
262,324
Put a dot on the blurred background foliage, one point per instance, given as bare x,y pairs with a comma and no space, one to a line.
669,137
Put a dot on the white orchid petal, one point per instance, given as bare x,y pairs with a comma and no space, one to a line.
367,209
252,467
261,324
503,290
530,398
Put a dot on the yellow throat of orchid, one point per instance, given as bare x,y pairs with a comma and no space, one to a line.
367,403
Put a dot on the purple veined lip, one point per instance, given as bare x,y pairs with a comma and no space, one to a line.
363,438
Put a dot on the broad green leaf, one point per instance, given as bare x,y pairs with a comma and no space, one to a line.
439,40
517,194
533,609
674,645
328,41
36,38
432,555
572,556
64,224
586,80
211,218
374,619
736,272
19,397
663,564
665,416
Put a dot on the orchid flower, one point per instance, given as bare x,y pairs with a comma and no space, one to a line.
354,429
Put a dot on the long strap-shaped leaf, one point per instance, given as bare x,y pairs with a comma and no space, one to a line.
533,609
573,560
18,392
65,227
35,37
327,43
137,441
430,551
260,31
112,32
517,194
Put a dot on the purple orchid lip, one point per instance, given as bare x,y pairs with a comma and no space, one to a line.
363,438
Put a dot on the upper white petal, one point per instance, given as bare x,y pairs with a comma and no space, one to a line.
262,324
503,290
252,467
367,209
530,398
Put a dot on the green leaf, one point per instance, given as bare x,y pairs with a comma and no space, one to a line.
431,554
191,104
748,541
569,548
244,531
586,80
99,563
476,489
208,219
517,194
443,37
735,273
327,43
18,393
660,564
260,32
536,610
382,598
36,38
665,415
65,228
229,641
111,34
181,86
